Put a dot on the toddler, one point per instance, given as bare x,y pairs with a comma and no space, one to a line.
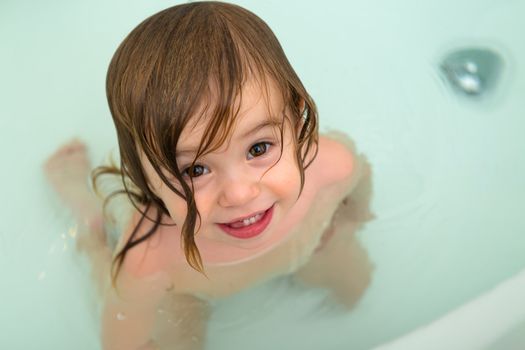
231,184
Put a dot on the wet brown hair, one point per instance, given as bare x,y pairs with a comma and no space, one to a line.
157,79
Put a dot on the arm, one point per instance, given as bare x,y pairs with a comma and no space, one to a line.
339,245
144,312
143,315
128,314
182,323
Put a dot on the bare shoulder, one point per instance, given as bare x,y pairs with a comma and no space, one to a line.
153,256
337,160
140,287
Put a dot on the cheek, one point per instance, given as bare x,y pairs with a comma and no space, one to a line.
176,207
286,180
206,201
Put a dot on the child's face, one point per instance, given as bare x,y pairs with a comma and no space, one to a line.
229,182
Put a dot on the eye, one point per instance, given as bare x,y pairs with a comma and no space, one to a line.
259,149
194,171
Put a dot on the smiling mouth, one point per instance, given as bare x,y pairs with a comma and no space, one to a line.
249,227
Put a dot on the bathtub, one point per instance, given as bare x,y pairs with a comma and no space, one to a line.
494,320
447,243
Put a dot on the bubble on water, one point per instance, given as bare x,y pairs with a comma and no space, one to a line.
73,231
41,275
52,249
121,316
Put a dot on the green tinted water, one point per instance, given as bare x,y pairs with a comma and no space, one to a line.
448,172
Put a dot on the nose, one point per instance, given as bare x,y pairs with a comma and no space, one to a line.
238,191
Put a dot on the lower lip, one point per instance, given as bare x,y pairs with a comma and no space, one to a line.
250,230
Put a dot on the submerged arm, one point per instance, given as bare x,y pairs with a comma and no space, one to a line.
145,316
128,314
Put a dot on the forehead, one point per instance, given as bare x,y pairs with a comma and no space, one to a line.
256,102
259,102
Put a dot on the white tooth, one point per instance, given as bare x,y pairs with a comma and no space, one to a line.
251,220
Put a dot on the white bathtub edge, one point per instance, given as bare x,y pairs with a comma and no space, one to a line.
473,325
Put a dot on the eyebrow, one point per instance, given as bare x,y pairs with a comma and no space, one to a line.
266,123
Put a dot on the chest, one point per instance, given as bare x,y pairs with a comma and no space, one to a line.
284,258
